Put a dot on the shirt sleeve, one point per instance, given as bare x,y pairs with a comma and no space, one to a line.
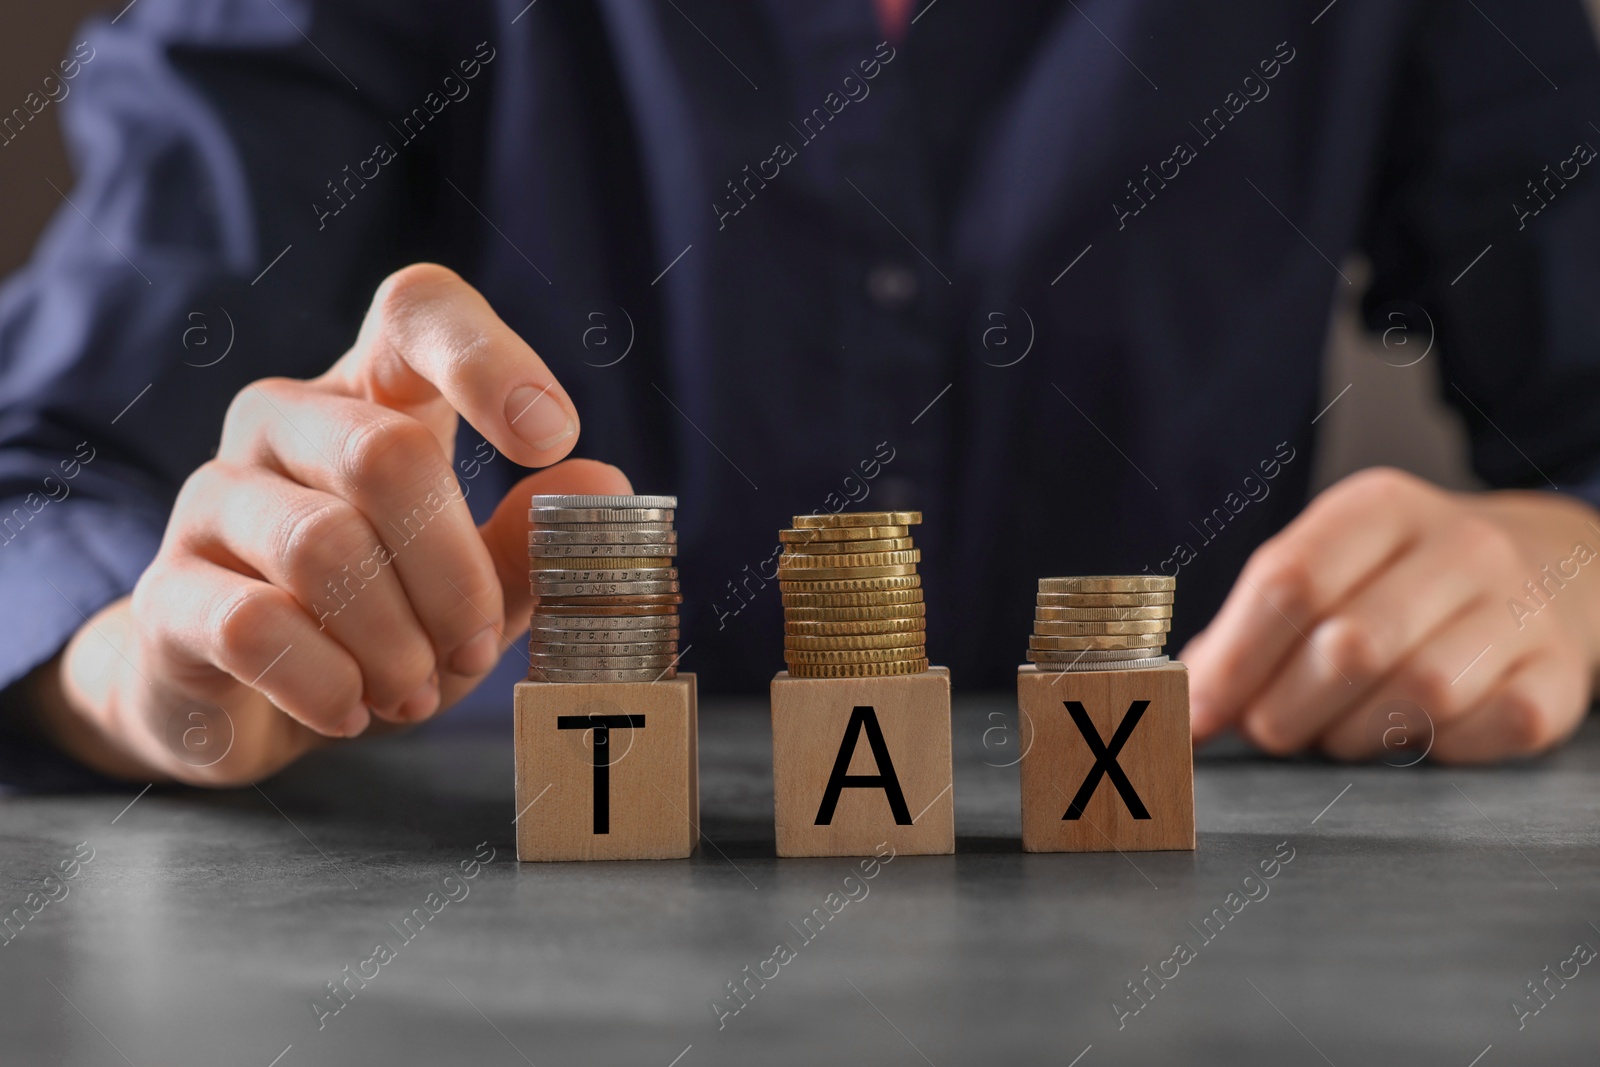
1484,233
220,230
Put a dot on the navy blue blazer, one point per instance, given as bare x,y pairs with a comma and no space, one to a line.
1059,275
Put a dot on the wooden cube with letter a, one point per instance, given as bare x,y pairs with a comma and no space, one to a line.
1107,762
607,771
861,761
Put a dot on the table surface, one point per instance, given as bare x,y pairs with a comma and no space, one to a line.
1417,904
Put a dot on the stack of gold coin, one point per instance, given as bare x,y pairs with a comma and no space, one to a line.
607,592
1101,624
852,599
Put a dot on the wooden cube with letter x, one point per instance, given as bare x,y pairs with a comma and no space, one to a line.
1107,763
607,771
861,761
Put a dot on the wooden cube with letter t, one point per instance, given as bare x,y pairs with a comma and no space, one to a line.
857,762
1107,762
608,770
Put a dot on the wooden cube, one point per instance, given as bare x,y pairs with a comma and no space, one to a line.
857,762
1107,762
607,771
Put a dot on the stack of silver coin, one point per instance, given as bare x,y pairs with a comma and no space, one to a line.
606,590
1101,624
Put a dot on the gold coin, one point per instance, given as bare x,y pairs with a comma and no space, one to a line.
857,670
851,559
558,563
820,607
820,534
812,575
858,518
819,627
835,548
628,607
1154,611
549,601
853,642
1102,600
1090,629
1076,644
859,655
862,584
1131,583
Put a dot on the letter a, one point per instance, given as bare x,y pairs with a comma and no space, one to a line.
863,718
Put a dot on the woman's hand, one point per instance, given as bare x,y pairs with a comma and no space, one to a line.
323,572
1389,589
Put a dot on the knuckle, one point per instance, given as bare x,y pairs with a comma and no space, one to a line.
318,540
1382,485
206,483
1487,543
332,699
1285,577
1525,720
243,616
1351,646
248,410
1429,684
389,454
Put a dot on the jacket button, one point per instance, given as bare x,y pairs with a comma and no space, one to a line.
892,287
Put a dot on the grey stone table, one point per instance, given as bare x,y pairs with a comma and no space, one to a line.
1416,906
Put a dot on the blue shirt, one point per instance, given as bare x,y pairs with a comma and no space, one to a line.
1060,278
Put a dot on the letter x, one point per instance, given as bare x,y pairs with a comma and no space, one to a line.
1105,759
602,725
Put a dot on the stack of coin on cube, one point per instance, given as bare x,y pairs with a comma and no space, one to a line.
607,607
852,599
1101,624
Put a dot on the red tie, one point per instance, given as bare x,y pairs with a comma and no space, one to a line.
894,16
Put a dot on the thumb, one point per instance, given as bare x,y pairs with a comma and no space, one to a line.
506,532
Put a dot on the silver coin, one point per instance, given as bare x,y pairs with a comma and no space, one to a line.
585,515
625,535
574,532
601,663
600,552
584,592
603,623
603,637
592,575
564,590
1118,665
1092,655
559,500
597,651
580,677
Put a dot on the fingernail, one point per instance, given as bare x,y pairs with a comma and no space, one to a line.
536,414
423,701
355,722
479,655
